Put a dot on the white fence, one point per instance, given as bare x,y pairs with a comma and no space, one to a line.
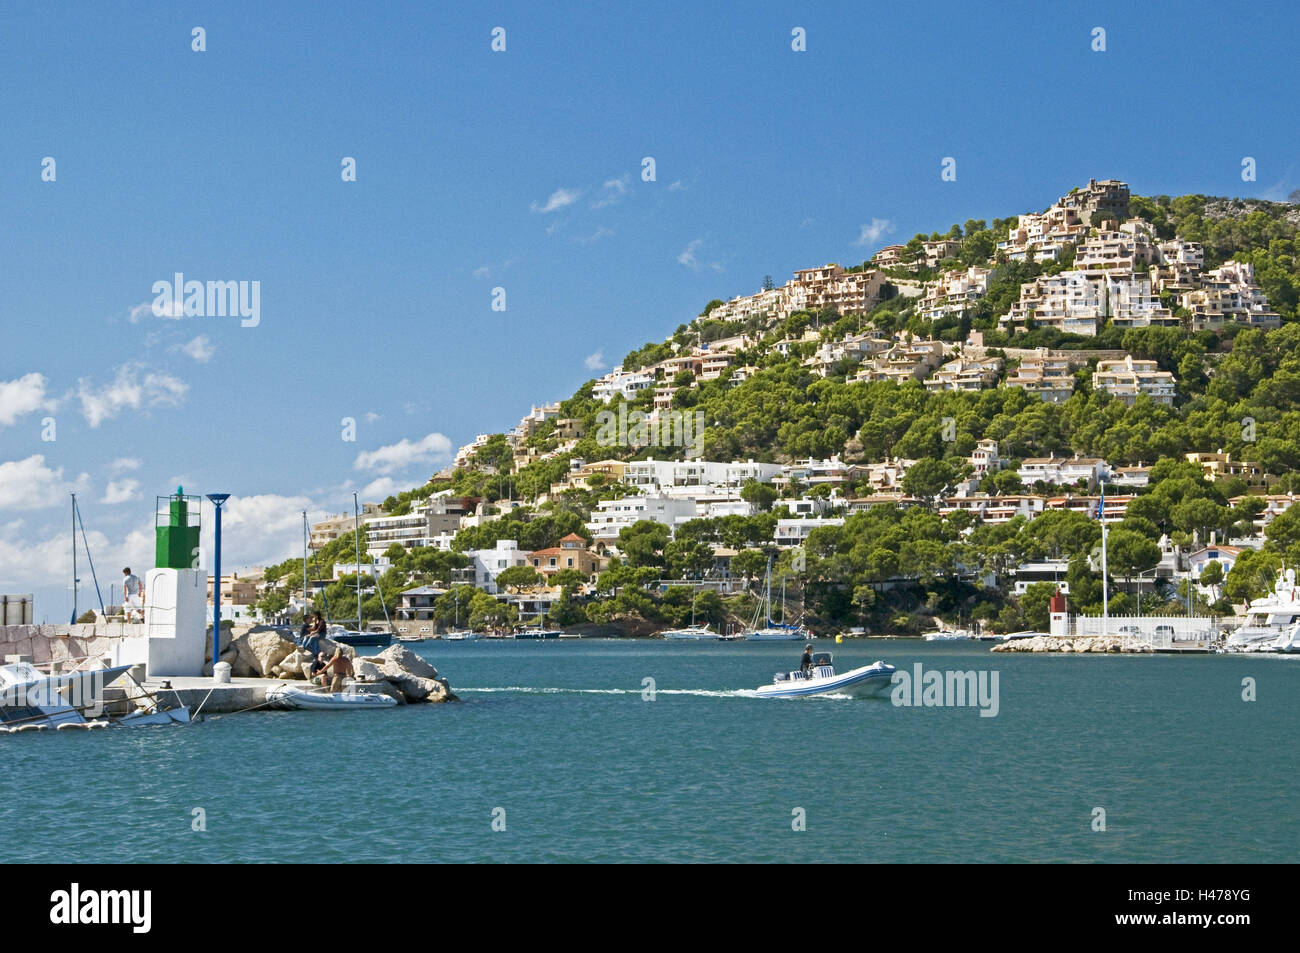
1160,632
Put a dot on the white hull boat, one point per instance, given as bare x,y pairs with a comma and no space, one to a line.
31,700
692,633
462,636
821,679
1272,624
302,698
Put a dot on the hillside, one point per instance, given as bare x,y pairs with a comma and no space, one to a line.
779,393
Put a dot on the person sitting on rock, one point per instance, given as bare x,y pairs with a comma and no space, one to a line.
338,668
317,666
312,632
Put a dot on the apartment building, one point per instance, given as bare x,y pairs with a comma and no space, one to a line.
1117,250
1062,470
1044,237
1219,465
936,252
1128,378
954,293
1230,294
620,383
913,360
1096,202
965,373
1071,302
891,256
1050,377
611,516
332,527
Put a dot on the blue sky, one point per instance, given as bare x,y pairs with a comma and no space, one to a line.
520,170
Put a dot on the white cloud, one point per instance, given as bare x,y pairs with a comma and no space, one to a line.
200,349
560,198
596,361
435,448
676,186
483,271
691,260
597,235
128,391
174,310
27,566
30,485
371,416
872,233
380,489
687,257
22,396
124,464
611,192
120,491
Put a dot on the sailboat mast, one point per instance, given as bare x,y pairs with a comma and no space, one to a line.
74,557
356,537
1105,602
304,566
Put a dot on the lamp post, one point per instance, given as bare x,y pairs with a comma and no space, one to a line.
217,499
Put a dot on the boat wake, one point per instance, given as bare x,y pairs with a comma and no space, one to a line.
695,692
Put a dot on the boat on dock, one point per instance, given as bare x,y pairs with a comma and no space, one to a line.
304,698
32,700
821,679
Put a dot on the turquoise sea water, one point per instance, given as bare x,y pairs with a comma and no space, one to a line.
559,736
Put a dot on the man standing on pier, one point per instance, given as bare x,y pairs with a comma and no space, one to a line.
132,594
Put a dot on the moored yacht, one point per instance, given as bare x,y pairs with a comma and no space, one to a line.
691,633
771,630
1272,623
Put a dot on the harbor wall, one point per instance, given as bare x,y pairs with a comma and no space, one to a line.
70,643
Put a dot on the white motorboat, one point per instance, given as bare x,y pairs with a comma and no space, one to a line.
1272,623
948,635
461,635
304,698
31,700
821,680
691,633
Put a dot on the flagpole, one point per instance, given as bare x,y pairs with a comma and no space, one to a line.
1105,601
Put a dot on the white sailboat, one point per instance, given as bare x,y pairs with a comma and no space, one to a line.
456,633
770,630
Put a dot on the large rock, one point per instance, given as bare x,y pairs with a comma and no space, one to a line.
261,652
294,665
405,660
227,639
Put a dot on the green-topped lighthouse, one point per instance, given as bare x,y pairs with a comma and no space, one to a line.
177,540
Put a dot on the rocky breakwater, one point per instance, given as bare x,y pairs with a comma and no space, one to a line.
396,671
1085,644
